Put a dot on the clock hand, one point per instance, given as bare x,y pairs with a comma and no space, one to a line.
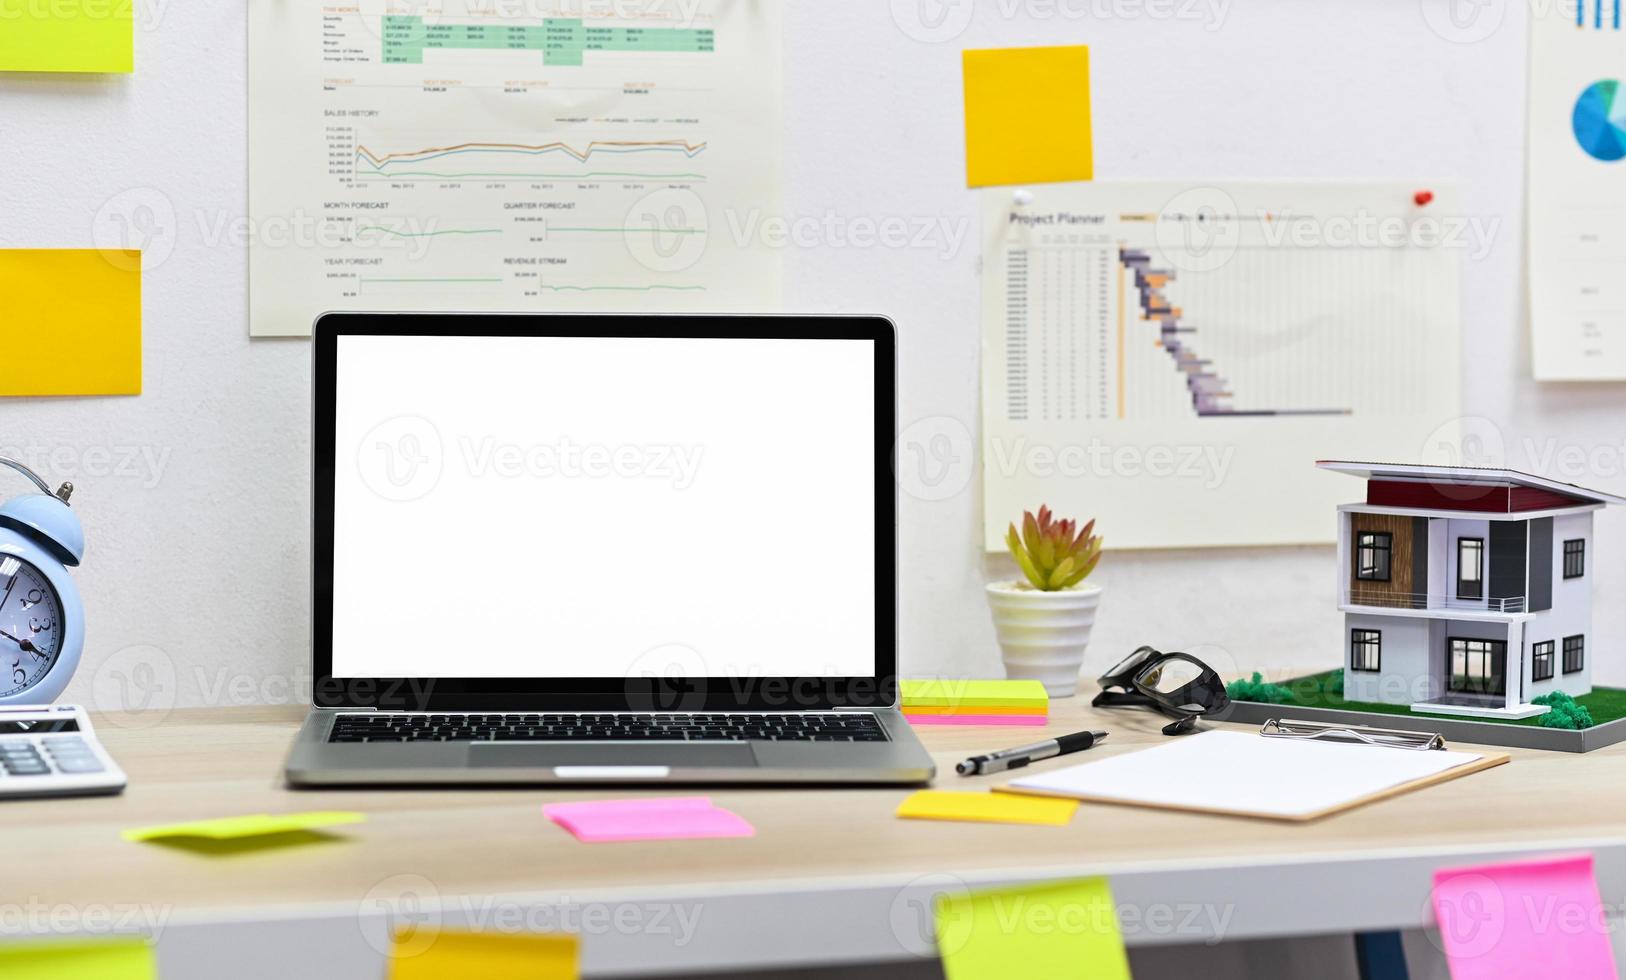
26,645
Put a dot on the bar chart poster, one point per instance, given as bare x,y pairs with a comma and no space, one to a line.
544,155
1577,190
1173,359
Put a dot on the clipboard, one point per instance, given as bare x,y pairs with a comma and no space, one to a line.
1288,771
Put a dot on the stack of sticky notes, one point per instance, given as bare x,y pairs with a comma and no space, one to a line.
962,702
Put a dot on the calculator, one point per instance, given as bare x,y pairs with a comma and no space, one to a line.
51,750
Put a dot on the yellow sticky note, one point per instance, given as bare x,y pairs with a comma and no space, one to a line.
448,954
72,319
255,825
931,804
1027,115
1068,930
967,694
101,959
67,35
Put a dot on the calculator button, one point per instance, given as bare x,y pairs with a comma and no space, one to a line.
78,765
22,769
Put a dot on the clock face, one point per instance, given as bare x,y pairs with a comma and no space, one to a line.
30,625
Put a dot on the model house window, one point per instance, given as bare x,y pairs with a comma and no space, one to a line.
1478,667
1574,654
1372,551
1470,568
1574,558
1366,650
1541,661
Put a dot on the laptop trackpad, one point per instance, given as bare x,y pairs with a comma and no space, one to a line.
719,756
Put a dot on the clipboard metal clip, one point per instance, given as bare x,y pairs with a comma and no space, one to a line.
1392,738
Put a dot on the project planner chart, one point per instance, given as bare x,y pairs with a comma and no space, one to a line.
544,155
1577,194
1173,359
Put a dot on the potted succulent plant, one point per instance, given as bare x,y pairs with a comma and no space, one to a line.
1044,622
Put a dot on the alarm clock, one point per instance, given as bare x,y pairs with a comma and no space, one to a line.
42,621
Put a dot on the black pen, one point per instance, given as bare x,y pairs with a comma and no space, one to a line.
980,765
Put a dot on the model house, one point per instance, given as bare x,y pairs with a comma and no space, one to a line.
1466,591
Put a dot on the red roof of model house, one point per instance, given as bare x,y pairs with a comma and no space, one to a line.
1478,489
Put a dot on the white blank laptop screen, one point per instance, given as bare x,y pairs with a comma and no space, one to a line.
566,507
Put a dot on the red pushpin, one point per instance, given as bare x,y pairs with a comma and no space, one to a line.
1423,198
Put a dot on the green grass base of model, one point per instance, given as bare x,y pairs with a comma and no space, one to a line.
1325,690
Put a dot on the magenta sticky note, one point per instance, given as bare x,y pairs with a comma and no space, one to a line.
670,818
1540,918
1028,721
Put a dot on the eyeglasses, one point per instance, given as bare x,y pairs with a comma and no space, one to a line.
1177,685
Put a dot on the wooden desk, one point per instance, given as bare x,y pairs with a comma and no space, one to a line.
832,875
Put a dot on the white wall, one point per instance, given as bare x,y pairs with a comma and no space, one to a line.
1441,578
1407,663
1572,611
204,556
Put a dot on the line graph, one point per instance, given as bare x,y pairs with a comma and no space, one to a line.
475,156
370,164
429,234
558,146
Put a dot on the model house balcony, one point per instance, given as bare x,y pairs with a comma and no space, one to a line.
1385,599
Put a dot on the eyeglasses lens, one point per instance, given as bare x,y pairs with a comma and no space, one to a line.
1170,676
1131,662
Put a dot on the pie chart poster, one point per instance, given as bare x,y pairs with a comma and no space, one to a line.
1600,120
1577,190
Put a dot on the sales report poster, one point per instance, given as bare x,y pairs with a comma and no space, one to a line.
529,155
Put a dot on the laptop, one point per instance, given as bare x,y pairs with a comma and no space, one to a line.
604,549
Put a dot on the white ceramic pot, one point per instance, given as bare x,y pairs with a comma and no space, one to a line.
1043,635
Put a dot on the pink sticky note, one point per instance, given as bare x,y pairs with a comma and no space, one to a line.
1029,721
672,818
1541,918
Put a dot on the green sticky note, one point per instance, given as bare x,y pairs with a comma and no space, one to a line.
102,959
67,35
1039,932
256,825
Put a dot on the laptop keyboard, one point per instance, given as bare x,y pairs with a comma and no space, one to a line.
831,727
